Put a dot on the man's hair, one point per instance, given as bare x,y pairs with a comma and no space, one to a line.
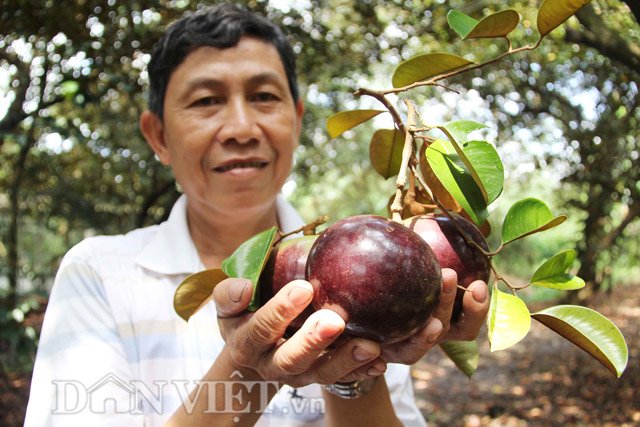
220,26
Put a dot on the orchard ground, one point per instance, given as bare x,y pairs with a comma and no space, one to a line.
542,381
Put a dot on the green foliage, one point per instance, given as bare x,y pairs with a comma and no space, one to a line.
72,155
498,24
526,217
508,320
386,151
456,173
18,336
464,354
590,331
248,261
196,290
425,66
553,273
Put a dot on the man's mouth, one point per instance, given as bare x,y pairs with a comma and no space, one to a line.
241,165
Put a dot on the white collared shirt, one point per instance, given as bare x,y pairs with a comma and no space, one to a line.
113,352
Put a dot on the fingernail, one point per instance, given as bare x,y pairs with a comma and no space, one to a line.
328,331
235,291
361,355
299,295
480,294
375,371
434,331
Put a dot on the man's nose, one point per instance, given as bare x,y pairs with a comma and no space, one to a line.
240,125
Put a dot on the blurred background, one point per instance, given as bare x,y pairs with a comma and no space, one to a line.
564,118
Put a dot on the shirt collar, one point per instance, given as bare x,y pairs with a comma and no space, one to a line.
172,251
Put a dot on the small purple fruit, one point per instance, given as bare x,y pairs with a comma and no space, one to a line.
381,277
452,250
285,264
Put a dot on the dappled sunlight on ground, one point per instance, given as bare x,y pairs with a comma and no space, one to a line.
542,381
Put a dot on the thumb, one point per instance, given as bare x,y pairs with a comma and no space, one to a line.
232,297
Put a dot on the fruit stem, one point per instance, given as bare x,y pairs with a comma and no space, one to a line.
501,278
462,288
423,185
307,230
407,153
384,101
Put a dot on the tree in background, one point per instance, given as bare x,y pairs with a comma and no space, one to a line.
587,132
72,160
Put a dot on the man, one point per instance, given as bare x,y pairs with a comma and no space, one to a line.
225,115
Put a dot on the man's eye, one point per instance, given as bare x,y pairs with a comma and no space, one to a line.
265,97
206,101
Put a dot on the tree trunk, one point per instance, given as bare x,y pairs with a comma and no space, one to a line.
588,250
12,233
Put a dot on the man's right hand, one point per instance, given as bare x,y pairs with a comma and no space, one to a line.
255,340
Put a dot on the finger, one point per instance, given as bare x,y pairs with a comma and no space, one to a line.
268,324
414,348
475,306
447,297
344,360
232,296
373,369
300,351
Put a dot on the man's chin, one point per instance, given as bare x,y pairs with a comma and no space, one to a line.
248,203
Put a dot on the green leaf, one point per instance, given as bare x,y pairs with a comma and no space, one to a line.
457,132
508,320
195,291
425,66
460,129
248,261
473,174
345,120
553,273
488,166
552,13
460,22
385,151
528,216
464,354
590,331
456,179
498,24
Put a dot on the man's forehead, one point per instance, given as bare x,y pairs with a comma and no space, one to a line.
248,49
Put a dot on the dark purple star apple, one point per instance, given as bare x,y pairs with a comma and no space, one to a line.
285,264
452,250
381,277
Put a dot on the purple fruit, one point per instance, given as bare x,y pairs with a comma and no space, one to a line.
452,250
285,264
381,277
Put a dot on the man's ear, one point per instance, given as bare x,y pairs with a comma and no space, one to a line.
152,129
299,114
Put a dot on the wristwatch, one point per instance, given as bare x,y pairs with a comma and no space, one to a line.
351,390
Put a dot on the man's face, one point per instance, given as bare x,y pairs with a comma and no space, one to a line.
230,126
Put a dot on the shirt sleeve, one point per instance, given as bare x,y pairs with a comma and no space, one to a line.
400,387
81,375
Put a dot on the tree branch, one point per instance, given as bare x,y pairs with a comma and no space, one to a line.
15,114
602,39
610,238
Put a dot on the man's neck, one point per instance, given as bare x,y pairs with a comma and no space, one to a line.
217,236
